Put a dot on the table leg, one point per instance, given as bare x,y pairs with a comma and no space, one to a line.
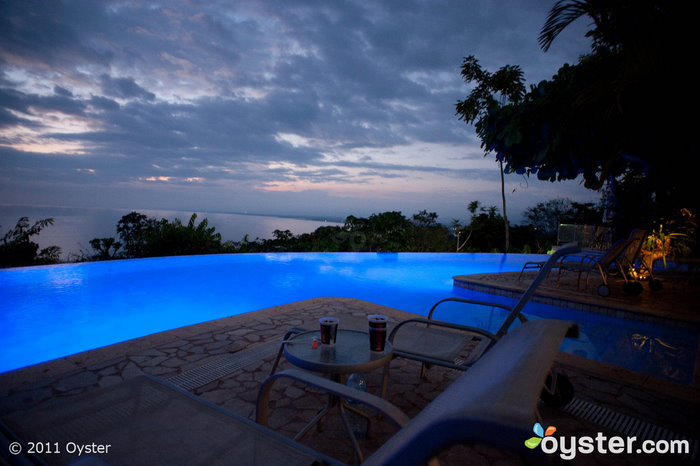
334,400
348,428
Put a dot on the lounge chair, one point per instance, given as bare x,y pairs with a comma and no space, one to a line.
620,257
435,342
146,420
537,265
593,241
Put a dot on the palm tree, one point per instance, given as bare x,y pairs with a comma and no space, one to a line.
632,82
504,87
613,21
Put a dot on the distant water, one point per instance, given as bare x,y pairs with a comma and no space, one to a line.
73,228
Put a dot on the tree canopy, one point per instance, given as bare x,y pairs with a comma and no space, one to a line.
17,248
492,91
624,107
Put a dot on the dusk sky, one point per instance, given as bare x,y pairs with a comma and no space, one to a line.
277,107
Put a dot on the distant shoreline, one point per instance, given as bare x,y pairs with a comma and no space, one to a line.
74,227
316,218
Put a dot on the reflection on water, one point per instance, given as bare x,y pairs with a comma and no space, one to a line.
660,351
662,357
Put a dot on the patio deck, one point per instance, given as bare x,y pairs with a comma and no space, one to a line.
225,361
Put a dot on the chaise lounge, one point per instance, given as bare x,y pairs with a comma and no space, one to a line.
435,342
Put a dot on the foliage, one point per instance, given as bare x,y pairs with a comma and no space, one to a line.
429,235
142,236
390,232
485,229
49,255
545,217
382,232
492,90
134,230
508,84
612,112
16,248
174,238
675,238
146,237
105,248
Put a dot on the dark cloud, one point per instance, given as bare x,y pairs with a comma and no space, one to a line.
254,92
124,87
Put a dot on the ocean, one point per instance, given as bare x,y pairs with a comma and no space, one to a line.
73,227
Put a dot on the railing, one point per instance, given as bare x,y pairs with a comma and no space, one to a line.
587,236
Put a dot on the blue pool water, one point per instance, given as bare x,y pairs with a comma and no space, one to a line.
54,311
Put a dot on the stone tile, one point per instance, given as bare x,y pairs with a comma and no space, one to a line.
292,406
110,380
80,380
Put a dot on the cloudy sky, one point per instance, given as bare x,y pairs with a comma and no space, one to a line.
267,106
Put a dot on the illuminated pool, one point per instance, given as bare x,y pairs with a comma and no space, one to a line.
54,311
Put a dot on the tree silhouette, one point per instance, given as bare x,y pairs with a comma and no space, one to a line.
493,91
16,248
105,248
623,108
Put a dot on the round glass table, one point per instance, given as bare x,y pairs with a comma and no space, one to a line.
351,353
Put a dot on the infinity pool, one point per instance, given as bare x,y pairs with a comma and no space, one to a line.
54,311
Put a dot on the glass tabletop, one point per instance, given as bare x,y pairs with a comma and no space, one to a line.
350,353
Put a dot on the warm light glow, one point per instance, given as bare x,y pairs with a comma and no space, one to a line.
49,146
29,139
166,179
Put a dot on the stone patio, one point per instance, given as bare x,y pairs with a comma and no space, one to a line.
225,361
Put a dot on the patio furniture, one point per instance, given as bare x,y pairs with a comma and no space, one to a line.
620,257
494,403
537,265
594,242
435,342
146,420
351,353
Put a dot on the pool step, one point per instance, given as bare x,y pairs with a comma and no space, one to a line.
223,366
628,425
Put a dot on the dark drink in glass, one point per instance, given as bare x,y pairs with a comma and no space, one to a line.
329,330
377,332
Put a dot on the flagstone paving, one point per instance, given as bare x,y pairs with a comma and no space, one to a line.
253,339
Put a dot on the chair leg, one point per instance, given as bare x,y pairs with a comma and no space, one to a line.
385,380
423,370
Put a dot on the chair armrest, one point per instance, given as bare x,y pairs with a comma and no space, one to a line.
441,323
380,405
468,301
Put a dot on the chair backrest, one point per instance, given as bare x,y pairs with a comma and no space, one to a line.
565,250
494,402
625,251
616,250
636,240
